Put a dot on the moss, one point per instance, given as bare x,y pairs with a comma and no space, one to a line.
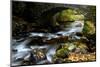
70,15
62,52
89,28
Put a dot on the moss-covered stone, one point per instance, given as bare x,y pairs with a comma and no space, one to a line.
70,15
62,52
89,28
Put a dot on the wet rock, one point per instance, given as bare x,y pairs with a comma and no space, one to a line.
58,60
39,54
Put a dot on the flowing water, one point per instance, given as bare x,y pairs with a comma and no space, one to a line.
21,51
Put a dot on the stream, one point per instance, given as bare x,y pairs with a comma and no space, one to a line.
21,50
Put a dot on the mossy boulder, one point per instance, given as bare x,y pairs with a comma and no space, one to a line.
70,15
89,28
62,52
